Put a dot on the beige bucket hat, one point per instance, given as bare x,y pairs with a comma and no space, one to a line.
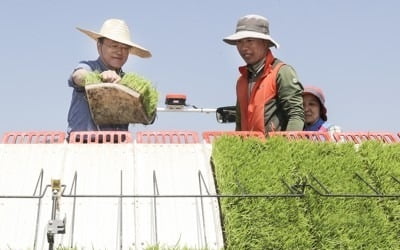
251,26
118,30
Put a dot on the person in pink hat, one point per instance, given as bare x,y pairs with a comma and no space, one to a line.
315,112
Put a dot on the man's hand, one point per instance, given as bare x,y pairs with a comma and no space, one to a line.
110,76
79,77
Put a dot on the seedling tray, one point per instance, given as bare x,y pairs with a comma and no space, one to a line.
113,104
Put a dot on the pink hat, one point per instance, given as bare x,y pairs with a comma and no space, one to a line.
317,92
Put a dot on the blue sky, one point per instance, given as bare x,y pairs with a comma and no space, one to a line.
348,48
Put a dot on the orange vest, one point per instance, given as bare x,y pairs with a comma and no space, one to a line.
252,109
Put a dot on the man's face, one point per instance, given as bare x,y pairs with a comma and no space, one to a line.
113,54
252,50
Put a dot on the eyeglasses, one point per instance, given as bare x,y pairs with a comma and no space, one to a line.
116,47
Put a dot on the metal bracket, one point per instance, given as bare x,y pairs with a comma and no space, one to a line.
56,226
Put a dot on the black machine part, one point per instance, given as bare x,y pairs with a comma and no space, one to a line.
226,114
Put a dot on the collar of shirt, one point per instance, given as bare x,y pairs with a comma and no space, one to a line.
255,69
103,67
316,126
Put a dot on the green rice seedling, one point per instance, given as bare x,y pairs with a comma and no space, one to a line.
145,88
382,162
92,78
343,222
246,167
346,219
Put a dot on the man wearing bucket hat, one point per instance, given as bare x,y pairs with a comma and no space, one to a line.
114,45
315,111
269,94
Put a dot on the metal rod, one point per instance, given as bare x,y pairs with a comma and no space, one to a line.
320,184
73,188
395,179
39,196
40,183
187,196
198,110
201,180
156,194
370,186
354,195
120,214
50,235
294,191
204,182
289,195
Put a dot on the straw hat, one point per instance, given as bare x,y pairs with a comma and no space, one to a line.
251,26
117,30
317,92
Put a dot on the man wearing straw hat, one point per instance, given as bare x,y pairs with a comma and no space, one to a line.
114,45
269,95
